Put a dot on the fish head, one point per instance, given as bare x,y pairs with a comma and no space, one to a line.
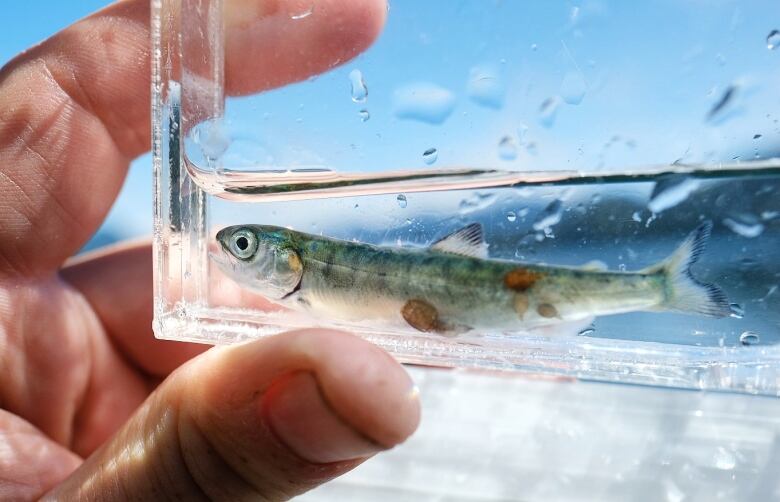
261,258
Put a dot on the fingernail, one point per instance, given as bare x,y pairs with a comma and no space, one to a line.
301,418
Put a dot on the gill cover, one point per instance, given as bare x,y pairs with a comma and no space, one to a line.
262,260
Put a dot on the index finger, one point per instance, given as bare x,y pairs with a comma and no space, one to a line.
75,110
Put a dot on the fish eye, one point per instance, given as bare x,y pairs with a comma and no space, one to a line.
243,244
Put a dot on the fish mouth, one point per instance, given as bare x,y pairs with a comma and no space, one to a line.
222,259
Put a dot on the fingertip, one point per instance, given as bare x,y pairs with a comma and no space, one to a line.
368,388
297,38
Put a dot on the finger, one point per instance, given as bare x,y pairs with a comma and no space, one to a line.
117,283
75,109
58,368
269,419
30,463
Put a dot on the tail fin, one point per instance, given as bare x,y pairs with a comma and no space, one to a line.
684,292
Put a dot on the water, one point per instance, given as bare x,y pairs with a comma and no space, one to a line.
558,219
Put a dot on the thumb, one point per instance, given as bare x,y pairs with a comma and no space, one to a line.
265,420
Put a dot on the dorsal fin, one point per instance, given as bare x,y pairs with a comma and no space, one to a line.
468,241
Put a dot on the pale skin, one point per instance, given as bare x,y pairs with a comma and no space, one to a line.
92,406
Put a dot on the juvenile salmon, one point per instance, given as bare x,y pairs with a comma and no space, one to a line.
452,286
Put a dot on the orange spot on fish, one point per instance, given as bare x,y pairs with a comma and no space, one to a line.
547,310
294,261
421,315
521,304
521,279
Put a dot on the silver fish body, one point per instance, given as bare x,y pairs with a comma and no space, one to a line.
452,286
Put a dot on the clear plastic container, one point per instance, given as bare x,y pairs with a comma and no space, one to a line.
592,136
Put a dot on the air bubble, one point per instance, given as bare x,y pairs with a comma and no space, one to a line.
587,331
507,148
401,201
551,215
749,338
359,88
430,155
476,202
737,311
364,115
212,139
511,216
671,192
773,40
747,229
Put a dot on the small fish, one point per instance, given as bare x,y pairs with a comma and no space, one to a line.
452,286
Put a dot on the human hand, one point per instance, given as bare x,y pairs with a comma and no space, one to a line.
81,376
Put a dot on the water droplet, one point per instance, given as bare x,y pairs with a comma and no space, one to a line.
430,155
364,115
507,148
359,89
485,87
756,136
573,88
671,191
723,103
748,229
303,14
548,110
401,200
737,311
636,216
725,459
551,215
511,216
773,40
749,338
424,102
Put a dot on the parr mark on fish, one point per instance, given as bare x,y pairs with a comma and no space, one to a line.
421,315
521,279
